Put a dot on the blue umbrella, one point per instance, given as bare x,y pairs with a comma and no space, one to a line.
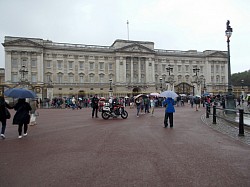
20,93
206,94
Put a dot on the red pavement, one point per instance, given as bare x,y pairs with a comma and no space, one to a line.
69,148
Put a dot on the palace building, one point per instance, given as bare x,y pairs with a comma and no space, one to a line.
124,68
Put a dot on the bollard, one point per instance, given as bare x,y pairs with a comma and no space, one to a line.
207,111
214,114
241,122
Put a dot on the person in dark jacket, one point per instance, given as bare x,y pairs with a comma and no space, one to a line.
22,116
94,103
3,117
169,103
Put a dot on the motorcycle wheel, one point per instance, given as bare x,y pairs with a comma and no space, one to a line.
105,115
124,114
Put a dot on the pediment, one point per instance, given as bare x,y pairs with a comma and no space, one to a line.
218,54
22,42
137,48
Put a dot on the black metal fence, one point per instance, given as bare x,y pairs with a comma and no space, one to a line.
226,113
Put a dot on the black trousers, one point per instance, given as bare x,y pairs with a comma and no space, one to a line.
24,127
94,111
169,116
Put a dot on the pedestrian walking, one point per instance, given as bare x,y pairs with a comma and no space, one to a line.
138,102
169,112
94,103
34,107
4,115
22,117
152,105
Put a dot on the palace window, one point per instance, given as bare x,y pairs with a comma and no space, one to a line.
71,78
110,66
33,78
14,63
91,78
33,63
217,68
59,78
179,68
222,79
222,69
48,63
91,66
24,62
70,64
163,67
14,77
81,78
156,67
212,79
101,66
81,65
101,77
201,69
59,64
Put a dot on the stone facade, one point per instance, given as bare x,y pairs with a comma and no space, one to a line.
123,69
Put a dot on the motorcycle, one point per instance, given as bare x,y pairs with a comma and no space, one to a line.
115,112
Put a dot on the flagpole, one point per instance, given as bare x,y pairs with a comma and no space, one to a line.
128,28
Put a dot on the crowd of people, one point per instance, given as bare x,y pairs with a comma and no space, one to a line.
26,112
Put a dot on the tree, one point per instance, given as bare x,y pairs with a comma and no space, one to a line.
237,77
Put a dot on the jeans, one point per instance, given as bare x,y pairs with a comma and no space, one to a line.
171,119
3,126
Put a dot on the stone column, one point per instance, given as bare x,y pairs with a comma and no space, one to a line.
139,69
8,66
132,70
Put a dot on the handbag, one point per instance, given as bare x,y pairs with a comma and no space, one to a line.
7,113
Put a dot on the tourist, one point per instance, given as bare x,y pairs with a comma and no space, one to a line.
169,112
22,117
3,115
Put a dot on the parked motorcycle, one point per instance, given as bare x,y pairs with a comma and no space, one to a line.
115,112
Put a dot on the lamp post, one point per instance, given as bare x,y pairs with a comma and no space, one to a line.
23,71
170,78
242,89
230,104
169,69
204,88
197,81
242,84
196,70
110,87
161,84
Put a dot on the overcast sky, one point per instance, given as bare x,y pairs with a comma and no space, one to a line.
170,24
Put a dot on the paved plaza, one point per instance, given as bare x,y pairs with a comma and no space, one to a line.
70,148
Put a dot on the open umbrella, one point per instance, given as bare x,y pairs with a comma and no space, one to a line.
140,95
155,94
169,93
20,93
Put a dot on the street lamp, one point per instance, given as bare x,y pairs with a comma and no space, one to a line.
204,88
161,84
242,90
196,70
110,87
230,104
23,71
169,69
242,84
